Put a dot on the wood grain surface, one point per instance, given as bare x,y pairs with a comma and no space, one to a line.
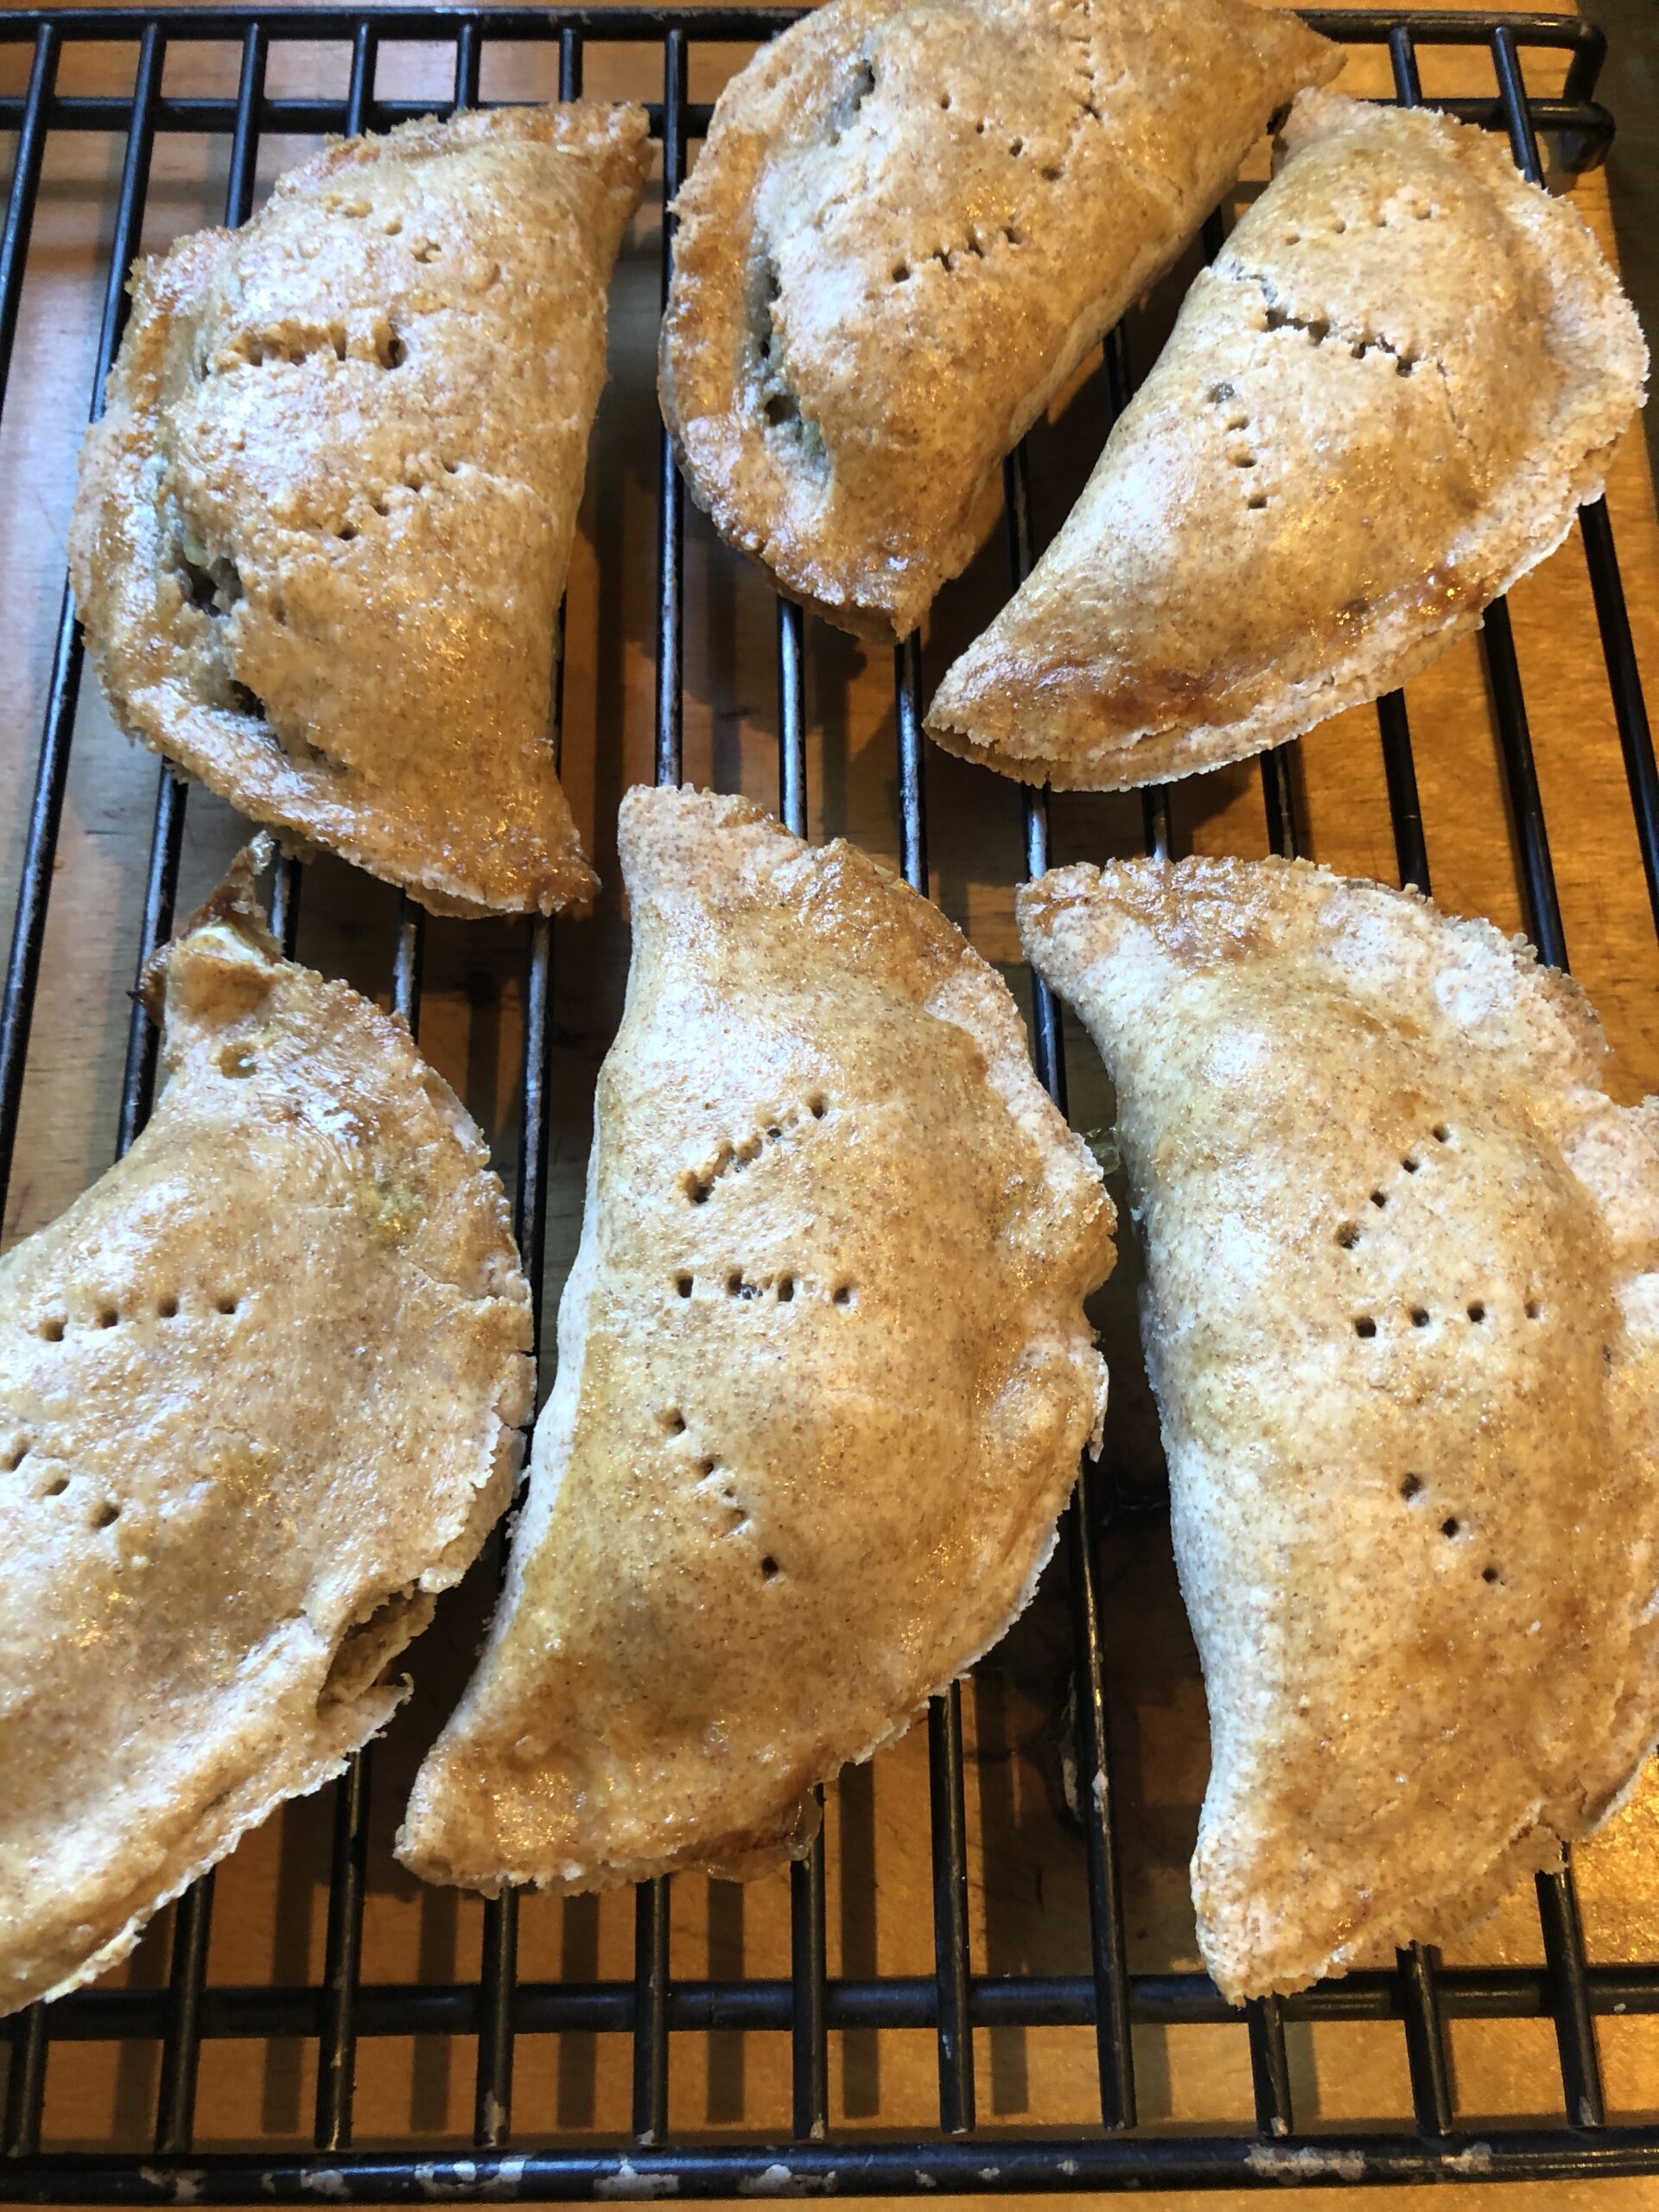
1027,1897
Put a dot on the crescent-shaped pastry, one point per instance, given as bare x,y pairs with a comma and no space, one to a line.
323,526
260,1391
910,220
1403,1317
823,1379
1382,404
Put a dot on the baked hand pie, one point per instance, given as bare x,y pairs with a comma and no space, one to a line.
260,1396
322,529
1402,1315
824,1374
1382,404
910,221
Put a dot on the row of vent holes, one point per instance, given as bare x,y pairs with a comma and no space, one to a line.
104,1514
51,1329
1365,1324
1411,1489
901,269
1050,171
1379,221
382,505
737,1285
1350,1232
673,1421
732,1157
1219,394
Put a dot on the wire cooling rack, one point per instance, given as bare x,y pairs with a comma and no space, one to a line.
341,2009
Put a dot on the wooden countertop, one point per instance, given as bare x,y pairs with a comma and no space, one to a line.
1026,1888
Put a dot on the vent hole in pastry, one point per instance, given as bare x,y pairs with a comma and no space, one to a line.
167,1308
781,409
108,1317
1534,1310
1349,1234
1411,1486
817,1105
979,128
1420,1317
1440,1133
901,272
1011,236
769,1568
1450,1525
845,1293
1244,461
55,1487
227,1303
1364,1326
682,1284
1411,1164
785,1290
346,533
1490,1574
1477,1311
944,99
15,1458
1339,225
673,1421
1016,147
1256,501
391,351
859,87
235,1061
426,249
739,1286
1379,1198
52,1328
105,1514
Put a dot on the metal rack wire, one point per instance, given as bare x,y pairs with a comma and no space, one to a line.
653,2007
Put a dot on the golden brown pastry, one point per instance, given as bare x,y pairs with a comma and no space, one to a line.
1403,1317
823,1376
908,224
1382,404
260,1391
322,529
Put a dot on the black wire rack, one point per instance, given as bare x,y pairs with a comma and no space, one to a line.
1420,1995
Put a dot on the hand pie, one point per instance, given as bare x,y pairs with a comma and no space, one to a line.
908,224
259,1396
824,1374
322,530
1403,1318
1382,405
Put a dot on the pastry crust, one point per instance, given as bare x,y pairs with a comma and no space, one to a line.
824,1374
1403,1317
910,220
1383,404
323,526
260,1397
